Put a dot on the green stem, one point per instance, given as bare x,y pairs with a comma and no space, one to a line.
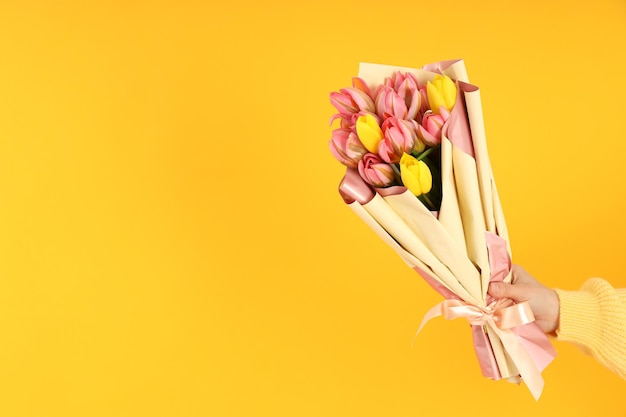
425,153
397,172
430,203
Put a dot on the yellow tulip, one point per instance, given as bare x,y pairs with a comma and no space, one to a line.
416,175
441,92
369,132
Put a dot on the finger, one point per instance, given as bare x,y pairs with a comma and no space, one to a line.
520,275
504,290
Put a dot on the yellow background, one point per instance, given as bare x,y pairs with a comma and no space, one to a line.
171,238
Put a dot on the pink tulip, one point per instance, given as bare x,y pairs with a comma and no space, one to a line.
389,103
399,78
429,131
399,137
351,100
408,90
375,171
346,147
396,79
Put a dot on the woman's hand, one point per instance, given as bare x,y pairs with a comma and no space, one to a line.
543,301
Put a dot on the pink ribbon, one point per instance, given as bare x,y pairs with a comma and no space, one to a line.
501,316
500,313
527,345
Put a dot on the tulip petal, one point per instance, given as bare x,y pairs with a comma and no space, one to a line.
342,103
426,178
434,98
362,100
369,132
449,92
416,175
426,137
346,147
441,91
360,84
376,172
334,117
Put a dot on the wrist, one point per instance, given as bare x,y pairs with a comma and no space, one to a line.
552,319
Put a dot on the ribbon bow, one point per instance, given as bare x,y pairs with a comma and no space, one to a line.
501,315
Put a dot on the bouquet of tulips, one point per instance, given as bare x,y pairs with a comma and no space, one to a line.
392,134
418,174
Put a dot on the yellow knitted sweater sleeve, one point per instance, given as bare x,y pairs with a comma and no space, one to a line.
594,318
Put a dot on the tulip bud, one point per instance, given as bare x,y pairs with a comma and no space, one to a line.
346,147
399,136
416,175
375,171
408,90
351,100
369,132
389,103
441,92
432,124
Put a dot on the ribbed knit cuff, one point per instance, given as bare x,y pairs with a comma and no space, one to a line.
579,318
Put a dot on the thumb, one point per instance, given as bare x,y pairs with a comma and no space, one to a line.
505,290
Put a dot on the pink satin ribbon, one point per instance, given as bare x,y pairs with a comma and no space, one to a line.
501,313
501,316
482,345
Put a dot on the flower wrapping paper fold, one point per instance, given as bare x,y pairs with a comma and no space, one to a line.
464,246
